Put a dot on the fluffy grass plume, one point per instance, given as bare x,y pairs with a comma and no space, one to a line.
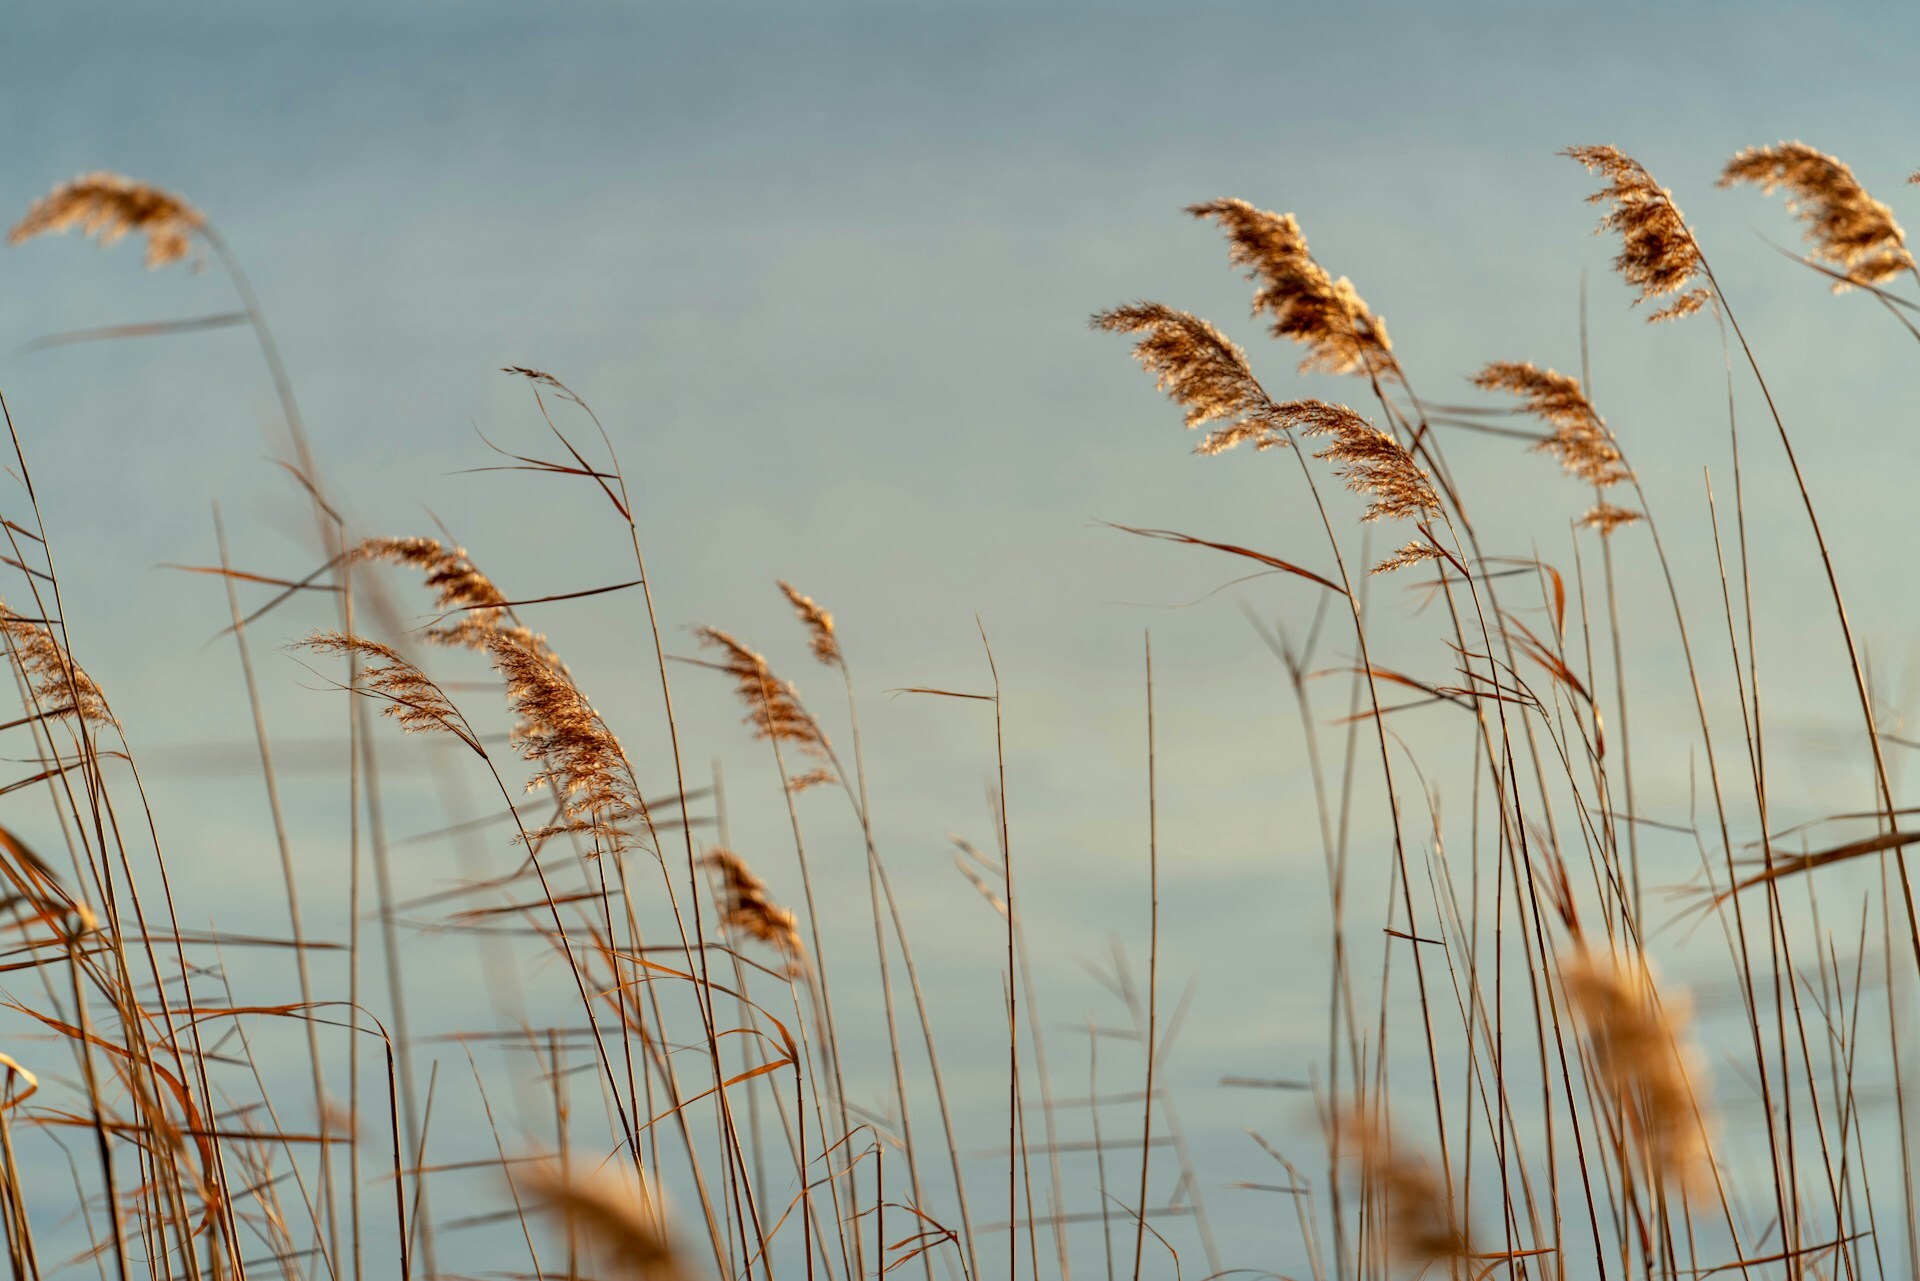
1845,225
1658,254
1307,306
108,206
1638,1042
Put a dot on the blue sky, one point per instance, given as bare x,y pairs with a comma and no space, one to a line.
825,269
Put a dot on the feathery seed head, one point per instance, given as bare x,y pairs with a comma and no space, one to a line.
1643,1058
1580,438
1375,465
745,907
559,732
59,687
619,1220
1200,369
457,585
1412,554
1658,254
1326,316
773,705
1606,518
411,697
108,206
1422,1229
1846,226
818,622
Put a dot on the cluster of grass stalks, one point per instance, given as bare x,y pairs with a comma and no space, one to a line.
677,1100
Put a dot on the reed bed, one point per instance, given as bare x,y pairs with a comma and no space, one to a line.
1508,1083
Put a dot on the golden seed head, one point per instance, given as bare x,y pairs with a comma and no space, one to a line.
1580,438
559,732
1326,316
1643,1058
1845,225
1606,518
59,687
1422,1230
109,206
475,606
1413,553
1375,466
773,705
617,1218
1201,370
818,622
745,907
411,697
1658,254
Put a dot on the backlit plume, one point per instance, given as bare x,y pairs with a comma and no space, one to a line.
1375,466
473,603
1606,518
59,687
818,622
1642,1057
1414,553
1658,254
411,697
1202,371
1309,307
1845,225
745,907
1580,438
109,206
617,1218
1422,1230
559,732
773,705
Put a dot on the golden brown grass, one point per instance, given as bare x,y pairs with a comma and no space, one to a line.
109,206
1658,254
1845,225
1530,1077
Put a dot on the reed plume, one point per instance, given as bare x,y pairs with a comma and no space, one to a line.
745,907
575,753
59,687
1206,373
1658,254
1606,518
1375,466
1845,225
1414,553
1201,370
774,710
1324,315
457,586
618,1218
1580,438
109,206
1643,1058
411,697
818,622
1422,1230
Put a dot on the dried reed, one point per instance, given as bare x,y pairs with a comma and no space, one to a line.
1309,307
1644,1060
1845,225
745,907
109,206
1658,253
60,688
